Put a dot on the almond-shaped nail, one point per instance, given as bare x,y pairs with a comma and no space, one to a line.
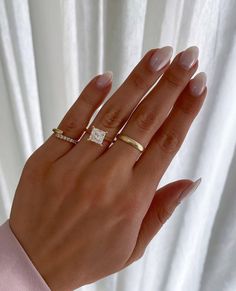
104,79
189,57
160,58
198,84
190,190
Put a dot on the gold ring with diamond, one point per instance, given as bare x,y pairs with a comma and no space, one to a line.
131,142
97,135
59,134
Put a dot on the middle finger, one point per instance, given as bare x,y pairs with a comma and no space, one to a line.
153,110
115,112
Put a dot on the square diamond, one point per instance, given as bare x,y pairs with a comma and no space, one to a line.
97,135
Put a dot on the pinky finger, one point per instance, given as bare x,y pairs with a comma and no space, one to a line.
163,205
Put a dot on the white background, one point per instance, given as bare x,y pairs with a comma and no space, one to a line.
50,49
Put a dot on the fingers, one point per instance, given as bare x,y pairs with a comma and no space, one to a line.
78,116
152,111
117,109
162,206
169,138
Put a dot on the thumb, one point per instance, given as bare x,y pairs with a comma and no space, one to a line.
162,206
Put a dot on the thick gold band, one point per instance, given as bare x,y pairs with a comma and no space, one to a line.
131,141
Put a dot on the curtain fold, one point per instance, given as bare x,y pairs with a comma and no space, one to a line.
49,50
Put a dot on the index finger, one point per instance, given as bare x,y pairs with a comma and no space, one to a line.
115,112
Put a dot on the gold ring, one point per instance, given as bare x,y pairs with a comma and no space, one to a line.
131,141
97,135
59,134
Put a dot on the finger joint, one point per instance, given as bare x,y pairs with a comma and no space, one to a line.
145,120
112,118
87,99
173,79
168,141
139,81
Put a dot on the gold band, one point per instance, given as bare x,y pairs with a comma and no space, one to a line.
59,134
131,141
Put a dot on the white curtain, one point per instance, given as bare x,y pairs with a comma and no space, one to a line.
50,49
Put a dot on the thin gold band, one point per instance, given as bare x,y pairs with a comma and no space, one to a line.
59,134
131,141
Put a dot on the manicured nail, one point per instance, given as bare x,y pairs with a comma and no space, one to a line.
160,58
192,188
198,84
104,79
189,57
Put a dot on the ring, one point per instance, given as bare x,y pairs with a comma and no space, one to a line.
59,133
131,141
97,135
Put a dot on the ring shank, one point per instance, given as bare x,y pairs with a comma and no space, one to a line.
131,141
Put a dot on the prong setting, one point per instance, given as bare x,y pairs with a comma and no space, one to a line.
97,135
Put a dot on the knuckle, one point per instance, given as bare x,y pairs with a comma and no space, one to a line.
112,118
139,81
87,99
70,126
187,107
31,171
169,142
35,166
145,119
173,79
162,215
139,254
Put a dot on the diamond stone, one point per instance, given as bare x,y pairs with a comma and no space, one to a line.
97,135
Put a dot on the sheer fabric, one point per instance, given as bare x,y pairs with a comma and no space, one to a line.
49,50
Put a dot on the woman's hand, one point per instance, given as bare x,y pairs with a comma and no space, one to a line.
85,211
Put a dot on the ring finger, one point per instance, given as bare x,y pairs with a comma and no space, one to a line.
168,139
153,110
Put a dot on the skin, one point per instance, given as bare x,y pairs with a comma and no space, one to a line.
85,211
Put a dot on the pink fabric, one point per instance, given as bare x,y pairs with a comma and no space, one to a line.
17,272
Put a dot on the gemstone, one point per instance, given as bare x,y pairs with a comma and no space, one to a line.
97,135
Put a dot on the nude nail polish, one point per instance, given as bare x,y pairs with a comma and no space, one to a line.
189,57
104,79
190,190
160,58
198,84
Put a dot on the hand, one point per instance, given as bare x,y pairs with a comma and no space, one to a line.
85,211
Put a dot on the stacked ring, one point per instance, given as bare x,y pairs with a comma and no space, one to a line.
97,135
59,134
131,142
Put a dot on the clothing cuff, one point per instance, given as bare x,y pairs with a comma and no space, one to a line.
17,272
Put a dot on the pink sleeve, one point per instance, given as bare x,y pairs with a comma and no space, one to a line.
17,272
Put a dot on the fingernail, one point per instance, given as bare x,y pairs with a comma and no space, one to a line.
198,84
192,188
160,58
104,79
189,57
